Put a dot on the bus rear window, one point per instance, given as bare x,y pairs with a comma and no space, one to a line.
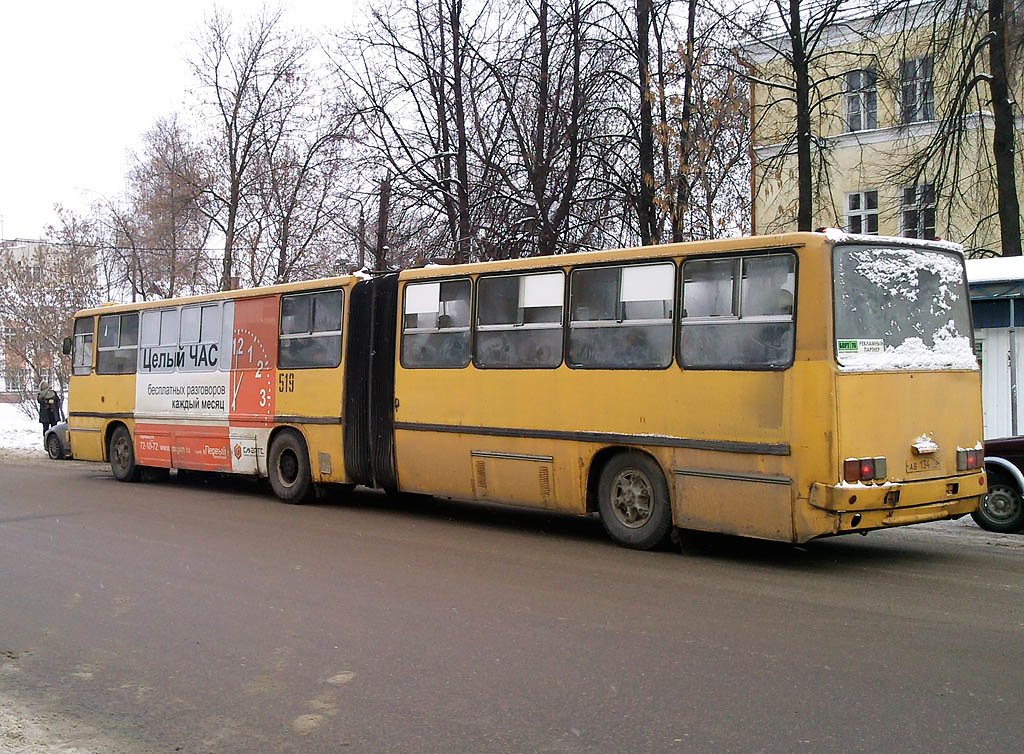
901,308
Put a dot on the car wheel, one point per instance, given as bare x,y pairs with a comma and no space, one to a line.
634,503
122,456
1001,510
288,468
53,447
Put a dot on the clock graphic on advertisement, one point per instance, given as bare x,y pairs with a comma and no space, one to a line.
252,380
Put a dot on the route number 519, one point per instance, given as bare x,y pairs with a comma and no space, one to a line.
286,382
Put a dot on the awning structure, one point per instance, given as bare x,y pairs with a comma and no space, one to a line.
994,285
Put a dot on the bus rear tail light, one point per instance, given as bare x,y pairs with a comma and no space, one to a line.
864,469
967,460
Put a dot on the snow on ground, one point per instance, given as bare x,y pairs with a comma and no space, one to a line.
40,729
18,431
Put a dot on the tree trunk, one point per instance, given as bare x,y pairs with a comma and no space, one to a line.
462,148
1008,202
804,216
645,198
682,202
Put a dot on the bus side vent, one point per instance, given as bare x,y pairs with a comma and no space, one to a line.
481,478
545,482
325,463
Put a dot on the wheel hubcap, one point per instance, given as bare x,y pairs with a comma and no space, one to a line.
288,468
632,498
1001,504
121,452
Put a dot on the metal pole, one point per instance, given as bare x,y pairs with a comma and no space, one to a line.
1013,369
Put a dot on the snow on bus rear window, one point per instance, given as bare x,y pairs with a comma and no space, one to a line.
901,308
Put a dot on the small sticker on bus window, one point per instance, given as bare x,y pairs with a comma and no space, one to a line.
864,345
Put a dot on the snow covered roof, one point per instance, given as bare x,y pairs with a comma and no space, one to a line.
995,270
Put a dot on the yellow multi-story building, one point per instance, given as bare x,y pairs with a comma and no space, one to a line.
880,97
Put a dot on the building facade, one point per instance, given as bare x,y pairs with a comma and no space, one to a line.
894,152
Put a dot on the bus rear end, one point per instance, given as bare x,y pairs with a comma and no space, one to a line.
908,427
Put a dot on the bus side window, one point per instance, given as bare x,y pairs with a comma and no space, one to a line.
117,349
519,321
621,316
199,338
737,313
311,330
435,325
82,360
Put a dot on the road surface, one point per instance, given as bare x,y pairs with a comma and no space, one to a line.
206,617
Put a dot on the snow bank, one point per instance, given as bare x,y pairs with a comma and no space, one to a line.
18,431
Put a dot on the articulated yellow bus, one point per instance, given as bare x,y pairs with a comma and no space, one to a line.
781,387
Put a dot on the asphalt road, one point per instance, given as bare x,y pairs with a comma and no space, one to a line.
205,617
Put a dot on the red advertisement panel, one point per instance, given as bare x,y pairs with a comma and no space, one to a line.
254,362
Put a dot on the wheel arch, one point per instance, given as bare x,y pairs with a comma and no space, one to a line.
287,428
600,459
108,433
1004,468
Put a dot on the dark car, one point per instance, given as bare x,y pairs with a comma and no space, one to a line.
1002,509
57,443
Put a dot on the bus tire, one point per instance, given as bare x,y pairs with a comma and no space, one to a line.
1002,509
633,501
121,452
288,468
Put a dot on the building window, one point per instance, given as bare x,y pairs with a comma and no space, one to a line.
862,212
861,100
917,213
918,90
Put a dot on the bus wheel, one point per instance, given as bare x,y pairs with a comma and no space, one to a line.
634,502
1001,509
122,456
288,464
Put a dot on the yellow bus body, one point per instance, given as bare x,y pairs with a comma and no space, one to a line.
758,453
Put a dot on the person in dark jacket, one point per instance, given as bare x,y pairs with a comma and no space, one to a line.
50,408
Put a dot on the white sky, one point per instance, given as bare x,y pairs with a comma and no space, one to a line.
81,81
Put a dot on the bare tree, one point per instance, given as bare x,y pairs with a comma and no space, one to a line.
41,288
241,74
535,111
304,158
409,69
166,192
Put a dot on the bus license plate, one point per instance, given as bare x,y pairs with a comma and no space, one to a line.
922,464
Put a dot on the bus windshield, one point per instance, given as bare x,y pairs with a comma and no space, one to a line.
900,308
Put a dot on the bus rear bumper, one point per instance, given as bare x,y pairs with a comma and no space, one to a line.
846,509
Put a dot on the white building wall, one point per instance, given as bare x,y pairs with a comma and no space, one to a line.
995,381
